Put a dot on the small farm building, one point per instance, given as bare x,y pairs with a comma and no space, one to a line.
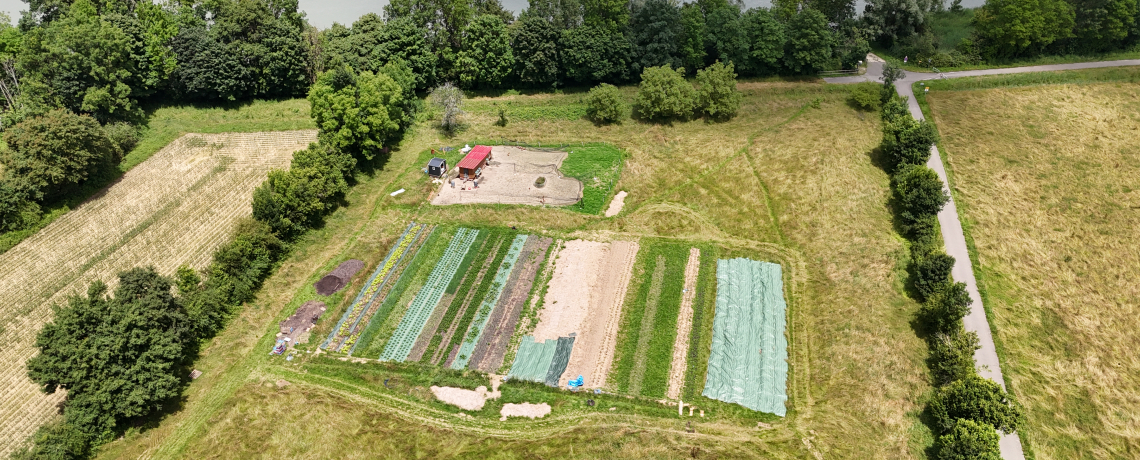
437,167
471,166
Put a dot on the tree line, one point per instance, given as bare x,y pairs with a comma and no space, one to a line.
966,410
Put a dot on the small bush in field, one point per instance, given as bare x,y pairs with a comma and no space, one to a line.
604,104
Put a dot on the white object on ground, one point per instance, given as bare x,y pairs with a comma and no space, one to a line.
616,205
397,192
527,410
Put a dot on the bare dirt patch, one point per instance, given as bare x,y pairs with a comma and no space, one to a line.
567,300
509,178
464,399
684,326
302,320
593,352
527,410
492,346
616,205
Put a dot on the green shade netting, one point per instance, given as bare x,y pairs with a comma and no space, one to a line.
532,362
559,361
749,360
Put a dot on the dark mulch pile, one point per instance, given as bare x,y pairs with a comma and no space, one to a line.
338,278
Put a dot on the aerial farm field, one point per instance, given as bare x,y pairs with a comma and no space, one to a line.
173,209
1046,177
449,294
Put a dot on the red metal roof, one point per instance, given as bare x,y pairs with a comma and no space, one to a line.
474,157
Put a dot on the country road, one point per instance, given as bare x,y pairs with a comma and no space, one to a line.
986,358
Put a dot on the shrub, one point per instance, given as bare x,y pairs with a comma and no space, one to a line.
49,155
296,200
943,310
604,104
952,356
123,137
968,440
894,108
716,91
908,141
932,273
664,94
977,399
865,96
922,230
918,192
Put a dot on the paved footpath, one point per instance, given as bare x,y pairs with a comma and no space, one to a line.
986,358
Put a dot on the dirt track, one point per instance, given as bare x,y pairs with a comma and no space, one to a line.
597,336
684,326
492,346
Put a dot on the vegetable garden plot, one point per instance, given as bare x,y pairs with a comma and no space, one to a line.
649,324
465,290
492,348
425,301
748,364
347,330
489,302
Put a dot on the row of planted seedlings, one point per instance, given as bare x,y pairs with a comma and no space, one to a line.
400,344
489,301
464,295
347,330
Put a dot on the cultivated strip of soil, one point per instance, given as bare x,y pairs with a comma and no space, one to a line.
430,329
443,351
684,326
567,299
594,348
646,331
492,347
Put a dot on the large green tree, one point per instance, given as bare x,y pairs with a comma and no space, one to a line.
355,113
591,55
608,16
656,32
296,200
1011,28
664,94
810,42
766,36
692,43
890,21
978,399
119,357
486,59
535,45
560,14
49,155
1101,25
81,62
726,37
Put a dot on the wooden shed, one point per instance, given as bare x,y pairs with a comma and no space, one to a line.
471,166
437,167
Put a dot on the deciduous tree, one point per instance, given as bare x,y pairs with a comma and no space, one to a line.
664,94
486,59
978,399
49,155
717,95
358,114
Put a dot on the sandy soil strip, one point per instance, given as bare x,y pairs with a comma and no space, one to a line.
567,299
646,332
468,399
594,348
492,347
616,205
527,410
684,326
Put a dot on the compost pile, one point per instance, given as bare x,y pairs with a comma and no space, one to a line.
303,319
338,278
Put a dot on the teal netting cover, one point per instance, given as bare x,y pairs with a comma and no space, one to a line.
559,361
749,360
412,324
489,302
532,362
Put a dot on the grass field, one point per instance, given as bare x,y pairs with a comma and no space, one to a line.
1046,181
171,210
784,182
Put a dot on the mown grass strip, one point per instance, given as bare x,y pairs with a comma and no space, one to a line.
599,167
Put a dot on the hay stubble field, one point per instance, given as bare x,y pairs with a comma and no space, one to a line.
1047,182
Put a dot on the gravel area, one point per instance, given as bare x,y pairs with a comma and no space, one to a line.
509,178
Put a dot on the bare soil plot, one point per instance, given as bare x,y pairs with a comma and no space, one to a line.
303,319
1046,179
684,326
509,178
617,204
492,347
527,410
567,300
173,209
594,348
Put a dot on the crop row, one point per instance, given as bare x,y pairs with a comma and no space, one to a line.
336,335
461,290
401,342
459,329
385,287
489,302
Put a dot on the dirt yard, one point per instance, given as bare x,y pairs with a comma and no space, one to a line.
509,178
594,348
684,326
303,320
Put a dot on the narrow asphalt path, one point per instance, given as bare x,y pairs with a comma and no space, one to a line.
986,358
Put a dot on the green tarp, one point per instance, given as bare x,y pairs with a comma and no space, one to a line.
533,359
749,360
559,361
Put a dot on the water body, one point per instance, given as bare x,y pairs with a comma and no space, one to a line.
323,13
